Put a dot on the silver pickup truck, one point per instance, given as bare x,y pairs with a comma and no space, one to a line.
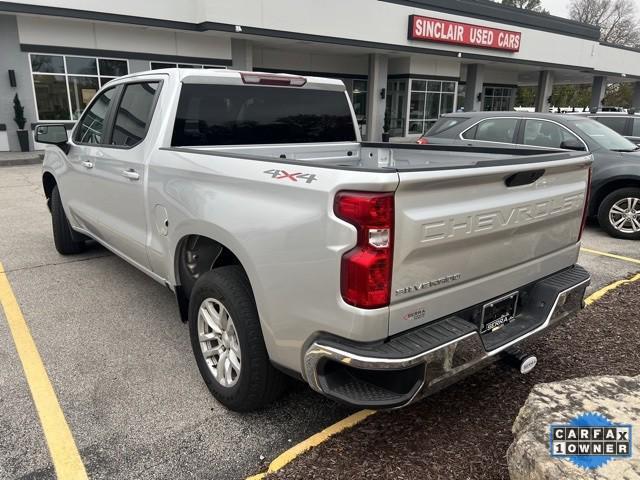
377,273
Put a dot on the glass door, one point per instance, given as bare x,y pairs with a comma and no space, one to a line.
396,111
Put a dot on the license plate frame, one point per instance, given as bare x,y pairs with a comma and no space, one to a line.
499,312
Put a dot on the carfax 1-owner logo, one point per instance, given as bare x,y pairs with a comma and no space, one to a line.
591,440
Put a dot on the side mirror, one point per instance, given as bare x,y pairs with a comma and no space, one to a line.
573,144
53,134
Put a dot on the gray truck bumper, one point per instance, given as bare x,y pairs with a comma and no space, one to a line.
417,363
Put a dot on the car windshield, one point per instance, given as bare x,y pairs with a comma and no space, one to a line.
604,136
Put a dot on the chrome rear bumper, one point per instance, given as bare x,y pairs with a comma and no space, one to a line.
394,373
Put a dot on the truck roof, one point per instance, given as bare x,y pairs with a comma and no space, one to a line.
223,76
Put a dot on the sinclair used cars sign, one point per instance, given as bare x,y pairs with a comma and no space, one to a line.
436,30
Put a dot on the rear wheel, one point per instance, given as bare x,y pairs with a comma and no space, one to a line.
62,235
619,213
227,341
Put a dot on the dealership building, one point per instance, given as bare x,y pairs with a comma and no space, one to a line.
403,62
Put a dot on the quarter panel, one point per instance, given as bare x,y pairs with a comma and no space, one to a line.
283,231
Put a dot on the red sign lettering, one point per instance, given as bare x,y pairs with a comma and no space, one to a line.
436,30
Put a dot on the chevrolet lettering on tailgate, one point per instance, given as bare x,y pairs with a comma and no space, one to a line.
500,219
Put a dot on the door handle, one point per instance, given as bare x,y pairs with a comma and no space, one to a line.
87,164
131,174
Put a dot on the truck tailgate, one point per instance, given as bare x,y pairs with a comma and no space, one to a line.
464,236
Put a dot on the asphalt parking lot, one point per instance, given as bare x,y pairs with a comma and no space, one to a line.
121,364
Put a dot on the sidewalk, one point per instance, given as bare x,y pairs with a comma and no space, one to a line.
9,159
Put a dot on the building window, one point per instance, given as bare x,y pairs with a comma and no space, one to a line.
159,65
497,99
429,100
64,84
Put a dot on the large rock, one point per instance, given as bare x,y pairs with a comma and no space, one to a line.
617,398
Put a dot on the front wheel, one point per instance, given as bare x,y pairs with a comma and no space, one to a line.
619,213
227,341
62,235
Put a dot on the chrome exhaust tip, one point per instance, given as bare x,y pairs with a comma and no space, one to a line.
524,362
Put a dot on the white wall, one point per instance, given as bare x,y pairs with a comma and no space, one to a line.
366,20
82,34
500,77
431,65
609,59
398,66
309,62
4,141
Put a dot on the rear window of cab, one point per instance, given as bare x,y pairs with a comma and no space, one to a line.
257,115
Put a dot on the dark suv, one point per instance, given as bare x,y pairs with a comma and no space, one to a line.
626,124
615,186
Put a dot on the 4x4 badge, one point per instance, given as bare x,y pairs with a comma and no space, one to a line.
294,177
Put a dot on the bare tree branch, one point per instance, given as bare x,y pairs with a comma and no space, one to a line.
617,19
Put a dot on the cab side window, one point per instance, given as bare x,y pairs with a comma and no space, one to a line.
134,113
500,130
91,128
541,133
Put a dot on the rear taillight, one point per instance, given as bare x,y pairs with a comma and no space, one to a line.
422,141
585,213
365,279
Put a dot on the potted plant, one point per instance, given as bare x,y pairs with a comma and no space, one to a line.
23,135
385,129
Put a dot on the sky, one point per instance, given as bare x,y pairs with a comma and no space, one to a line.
561,7
557,7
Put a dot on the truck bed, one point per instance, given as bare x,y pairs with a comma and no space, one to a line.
387,157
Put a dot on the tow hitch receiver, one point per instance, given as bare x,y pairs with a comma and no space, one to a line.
524,362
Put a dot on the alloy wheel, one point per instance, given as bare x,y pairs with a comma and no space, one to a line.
219,342
624,215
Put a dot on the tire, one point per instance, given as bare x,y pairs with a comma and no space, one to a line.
62,236
257,383
618,200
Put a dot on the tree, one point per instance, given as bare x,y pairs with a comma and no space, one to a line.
526,96
577,96
534,5
618,95
616,18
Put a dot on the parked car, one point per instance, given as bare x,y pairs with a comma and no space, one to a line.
615,194
626,124
377,273
612,109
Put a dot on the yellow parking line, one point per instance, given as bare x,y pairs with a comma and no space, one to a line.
595,296
62,447
313,441
610,255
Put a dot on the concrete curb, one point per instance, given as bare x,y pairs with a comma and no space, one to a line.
12,162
